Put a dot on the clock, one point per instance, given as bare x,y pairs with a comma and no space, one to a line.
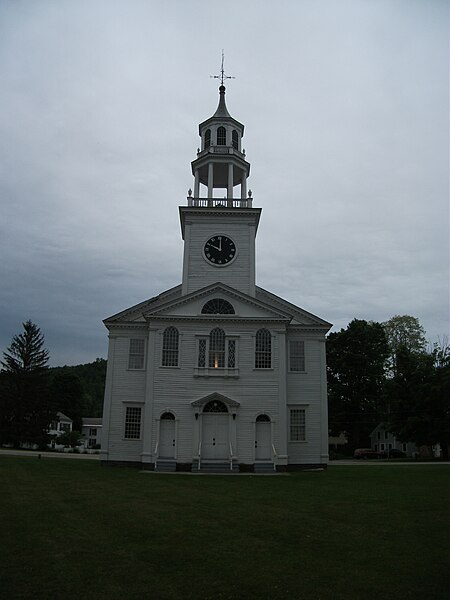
219,250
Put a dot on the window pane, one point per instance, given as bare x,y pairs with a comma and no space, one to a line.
263,349
221,136
217,348
202,353
207,138
296,356
234,139
136,356
297,425
231,354
133,422
170,347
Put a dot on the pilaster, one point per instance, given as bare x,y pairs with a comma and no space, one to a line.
107,399
147,449
282,395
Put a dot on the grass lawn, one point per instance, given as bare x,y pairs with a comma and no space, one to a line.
73,529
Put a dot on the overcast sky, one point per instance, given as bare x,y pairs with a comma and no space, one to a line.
345,105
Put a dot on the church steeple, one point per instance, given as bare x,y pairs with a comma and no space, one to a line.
220,163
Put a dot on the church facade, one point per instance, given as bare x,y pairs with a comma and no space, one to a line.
217,374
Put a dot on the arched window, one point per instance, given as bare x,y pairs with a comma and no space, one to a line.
167,416
263,419
221,136
263,349
217,306
170,347
215,406
235,139
217,348
207,138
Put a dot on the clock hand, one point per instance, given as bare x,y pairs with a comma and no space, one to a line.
216,247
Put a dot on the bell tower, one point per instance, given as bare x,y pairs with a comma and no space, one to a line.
219,223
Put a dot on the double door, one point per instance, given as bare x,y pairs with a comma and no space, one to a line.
215,436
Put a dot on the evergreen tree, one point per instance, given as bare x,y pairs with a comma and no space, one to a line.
25,405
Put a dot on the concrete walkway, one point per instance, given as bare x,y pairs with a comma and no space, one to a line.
37,453
386,463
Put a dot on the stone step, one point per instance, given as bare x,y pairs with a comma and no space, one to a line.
214,467
166,466
264,467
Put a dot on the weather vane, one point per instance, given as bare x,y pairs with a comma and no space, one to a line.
222,75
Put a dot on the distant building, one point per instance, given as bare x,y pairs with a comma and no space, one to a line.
382,440
62,424
91,432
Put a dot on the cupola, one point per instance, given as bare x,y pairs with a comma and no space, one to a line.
220,162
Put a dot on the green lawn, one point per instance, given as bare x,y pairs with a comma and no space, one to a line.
73,529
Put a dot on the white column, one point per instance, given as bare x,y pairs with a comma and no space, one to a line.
197,184
210,179
230,181
107,399
147,439
323,403
244,186
282,395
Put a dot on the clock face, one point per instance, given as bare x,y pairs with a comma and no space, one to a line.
219,250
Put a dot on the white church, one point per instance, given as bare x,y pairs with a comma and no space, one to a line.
217,374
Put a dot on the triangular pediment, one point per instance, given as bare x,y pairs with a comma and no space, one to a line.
192,305
135,314
215,396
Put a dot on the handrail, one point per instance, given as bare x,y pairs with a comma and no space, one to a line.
274,452
199,455
220,202
231,456
156,454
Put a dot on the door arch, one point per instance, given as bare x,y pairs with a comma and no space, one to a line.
167,438
215,431
263,438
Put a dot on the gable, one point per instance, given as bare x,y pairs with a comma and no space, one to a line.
135,314
298,315
191,305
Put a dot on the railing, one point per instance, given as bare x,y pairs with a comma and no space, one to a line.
274,453
231,457
220,202
199,455
156,454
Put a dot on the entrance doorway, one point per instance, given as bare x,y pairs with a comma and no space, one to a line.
215,434
263,442
167,436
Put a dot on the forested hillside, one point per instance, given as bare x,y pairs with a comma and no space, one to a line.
87,381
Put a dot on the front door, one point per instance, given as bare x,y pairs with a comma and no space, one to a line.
263,440
167,436
215,436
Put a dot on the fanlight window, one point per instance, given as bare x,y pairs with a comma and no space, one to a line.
167,416
263,419
170,347
235,139
207,138
215,406
221,136
217,306
217,348
263,349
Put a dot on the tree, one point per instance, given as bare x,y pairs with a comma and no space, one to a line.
25,405
357,358
419,397
404,331
67,394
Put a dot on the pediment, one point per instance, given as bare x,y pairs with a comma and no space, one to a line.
215,396
135,314
191,306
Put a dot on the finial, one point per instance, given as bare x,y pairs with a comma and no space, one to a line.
249,193
189,192
222,75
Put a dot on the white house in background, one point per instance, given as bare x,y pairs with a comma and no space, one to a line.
91,431
217,373
61,425
382,440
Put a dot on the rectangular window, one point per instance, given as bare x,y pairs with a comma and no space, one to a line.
231,354
202,353
136,356
133,422
297,425
93,431
296,356
92,441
